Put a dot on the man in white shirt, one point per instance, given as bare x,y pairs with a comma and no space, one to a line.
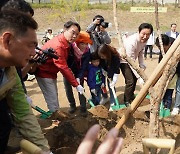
134,46
173,32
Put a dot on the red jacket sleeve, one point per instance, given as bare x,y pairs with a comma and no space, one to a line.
61,63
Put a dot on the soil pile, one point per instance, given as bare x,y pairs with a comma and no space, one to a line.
67,135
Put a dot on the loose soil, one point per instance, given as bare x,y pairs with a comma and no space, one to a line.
65,135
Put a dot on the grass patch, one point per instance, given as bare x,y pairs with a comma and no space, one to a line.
78,5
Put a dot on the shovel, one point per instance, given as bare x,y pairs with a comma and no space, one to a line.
100,110
117,106
44,114
164,112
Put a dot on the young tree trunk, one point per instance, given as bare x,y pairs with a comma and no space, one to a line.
163,3
158,91
122,51
157,27
149,83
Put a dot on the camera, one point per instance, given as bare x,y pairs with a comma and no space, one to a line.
103,23
44,55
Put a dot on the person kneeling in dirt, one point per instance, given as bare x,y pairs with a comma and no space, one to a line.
18,42
78,60
46,74
96,79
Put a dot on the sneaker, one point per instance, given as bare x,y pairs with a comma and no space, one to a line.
111,109
127,104
72,109
175,111
103,101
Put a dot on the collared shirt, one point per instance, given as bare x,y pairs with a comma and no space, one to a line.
134,49
173,34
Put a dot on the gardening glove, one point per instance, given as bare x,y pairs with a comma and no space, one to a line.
141,81
114,80
78,80
93,91
102,85
80,89
29,100
104,72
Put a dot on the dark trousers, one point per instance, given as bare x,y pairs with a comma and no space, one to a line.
150,51
167,99
130,81
70,95
5,125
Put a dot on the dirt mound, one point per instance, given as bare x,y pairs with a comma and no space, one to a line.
67,135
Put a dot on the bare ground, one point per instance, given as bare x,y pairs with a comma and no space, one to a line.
64,136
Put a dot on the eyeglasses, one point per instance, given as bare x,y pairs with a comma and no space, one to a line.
73,33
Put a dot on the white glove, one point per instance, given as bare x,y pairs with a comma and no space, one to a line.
80,89
78,80
102,85
93,91
104,72
29,100
141,81
112,84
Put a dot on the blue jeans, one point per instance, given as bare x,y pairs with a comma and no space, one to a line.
177,99
70,95
96,98
167,99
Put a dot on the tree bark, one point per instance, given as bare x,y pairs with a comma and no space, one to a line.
123,52
158,28
158,93
149,83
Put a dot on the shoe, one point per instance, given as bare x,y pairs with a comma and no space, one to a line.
111,109
175,111
72,109
59,115
10,150
83,112
165,105
127,104
103,101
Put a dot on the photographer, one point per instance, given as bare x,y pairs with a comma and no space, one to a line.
98,33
